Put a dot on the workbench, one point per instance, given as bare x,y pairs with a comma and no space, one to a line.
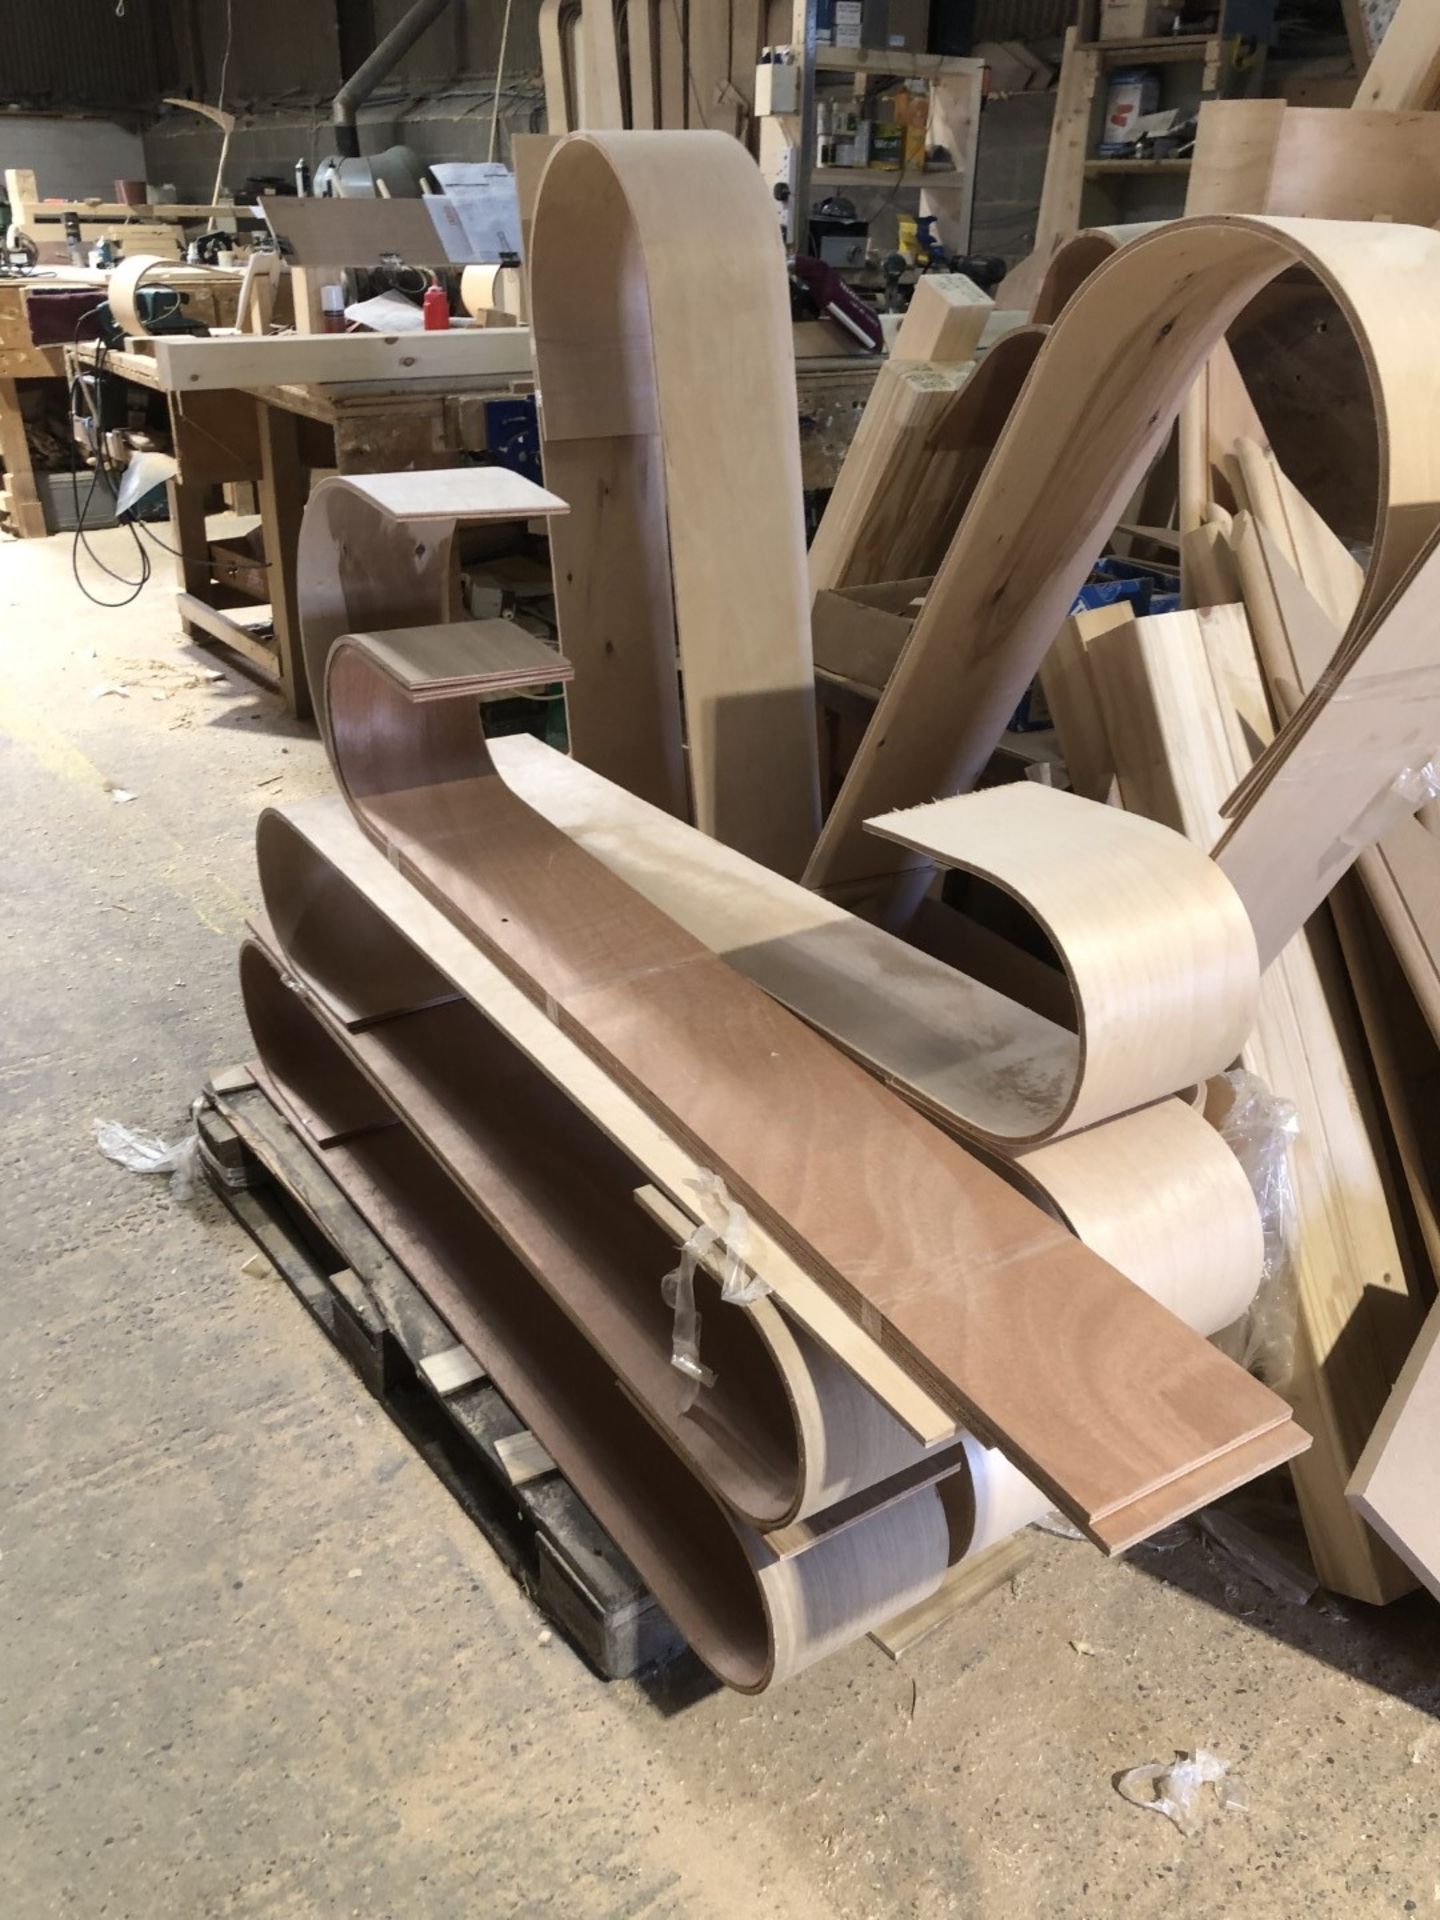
210,293
276,437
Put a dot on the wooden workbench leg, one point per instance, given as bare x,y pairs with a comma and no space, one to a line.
190,540
282,502
26,513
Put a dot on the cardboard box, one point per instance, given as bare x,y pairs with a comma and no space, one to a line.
857,632
1135,19
889,24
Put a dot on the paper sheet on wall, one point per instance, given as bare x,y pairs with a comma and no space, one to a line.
483,193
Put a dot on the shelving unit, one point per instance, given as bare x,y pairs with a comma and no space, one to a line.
787,141
1084,189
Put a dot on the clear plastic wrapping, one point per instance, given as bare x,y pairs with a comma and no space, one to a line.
1176,1788
722,1251
147,1153
1259,1128
1401,799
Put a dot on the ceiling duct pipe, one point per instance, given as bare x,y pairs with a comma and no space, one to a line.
368,75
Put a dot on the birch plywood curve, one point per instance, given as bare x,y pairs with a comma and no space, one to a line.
1038,1346
753,1618
377,551
668,415
785,1431
1156,1192
1154,940
1104,393
1073,263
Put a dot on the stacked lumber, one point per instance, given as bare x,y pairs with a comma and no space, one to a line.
646,64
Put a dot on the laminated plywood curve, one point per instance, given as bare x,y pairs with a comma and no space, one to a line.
752,1616
1099,1394
1156,1192
1154,940
783,1431
661,323
1104,393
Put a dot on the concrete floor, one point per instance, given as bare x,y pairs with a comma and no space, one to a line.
256,1662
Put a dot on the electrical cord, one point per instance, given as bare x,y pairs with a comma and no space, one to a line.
104,468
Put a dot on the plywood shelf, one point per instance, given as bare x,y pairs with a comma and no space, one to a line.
891,178
1101,168
894,61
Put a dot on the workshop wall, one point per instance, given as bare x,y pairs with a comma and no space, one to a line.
286,66
71,157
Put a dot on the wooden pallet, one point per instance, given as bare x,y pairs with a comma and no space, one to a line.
376,1317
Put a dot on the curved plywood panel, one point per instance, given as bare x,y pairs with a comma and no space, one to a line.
936,1257
1155,942
378,551
1105,391
661,323
751,1616
1072,264
785,1431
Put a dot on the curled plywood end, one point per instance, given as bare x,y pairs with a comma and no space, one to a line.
1154,940
377,551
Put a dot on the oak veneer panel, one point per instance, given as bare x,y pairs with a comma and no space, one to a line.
1103,1396
1123,354
1155,1192
752,1617
466,656
632,345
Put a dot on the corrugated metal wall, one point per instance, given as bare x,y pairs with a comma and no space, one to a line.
83,53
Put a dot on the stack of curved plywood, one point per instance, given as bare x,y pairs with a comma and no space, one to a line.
533,1079
544,1028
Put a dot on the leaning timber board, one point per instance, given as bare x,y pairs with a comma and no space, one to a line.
1041,1347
